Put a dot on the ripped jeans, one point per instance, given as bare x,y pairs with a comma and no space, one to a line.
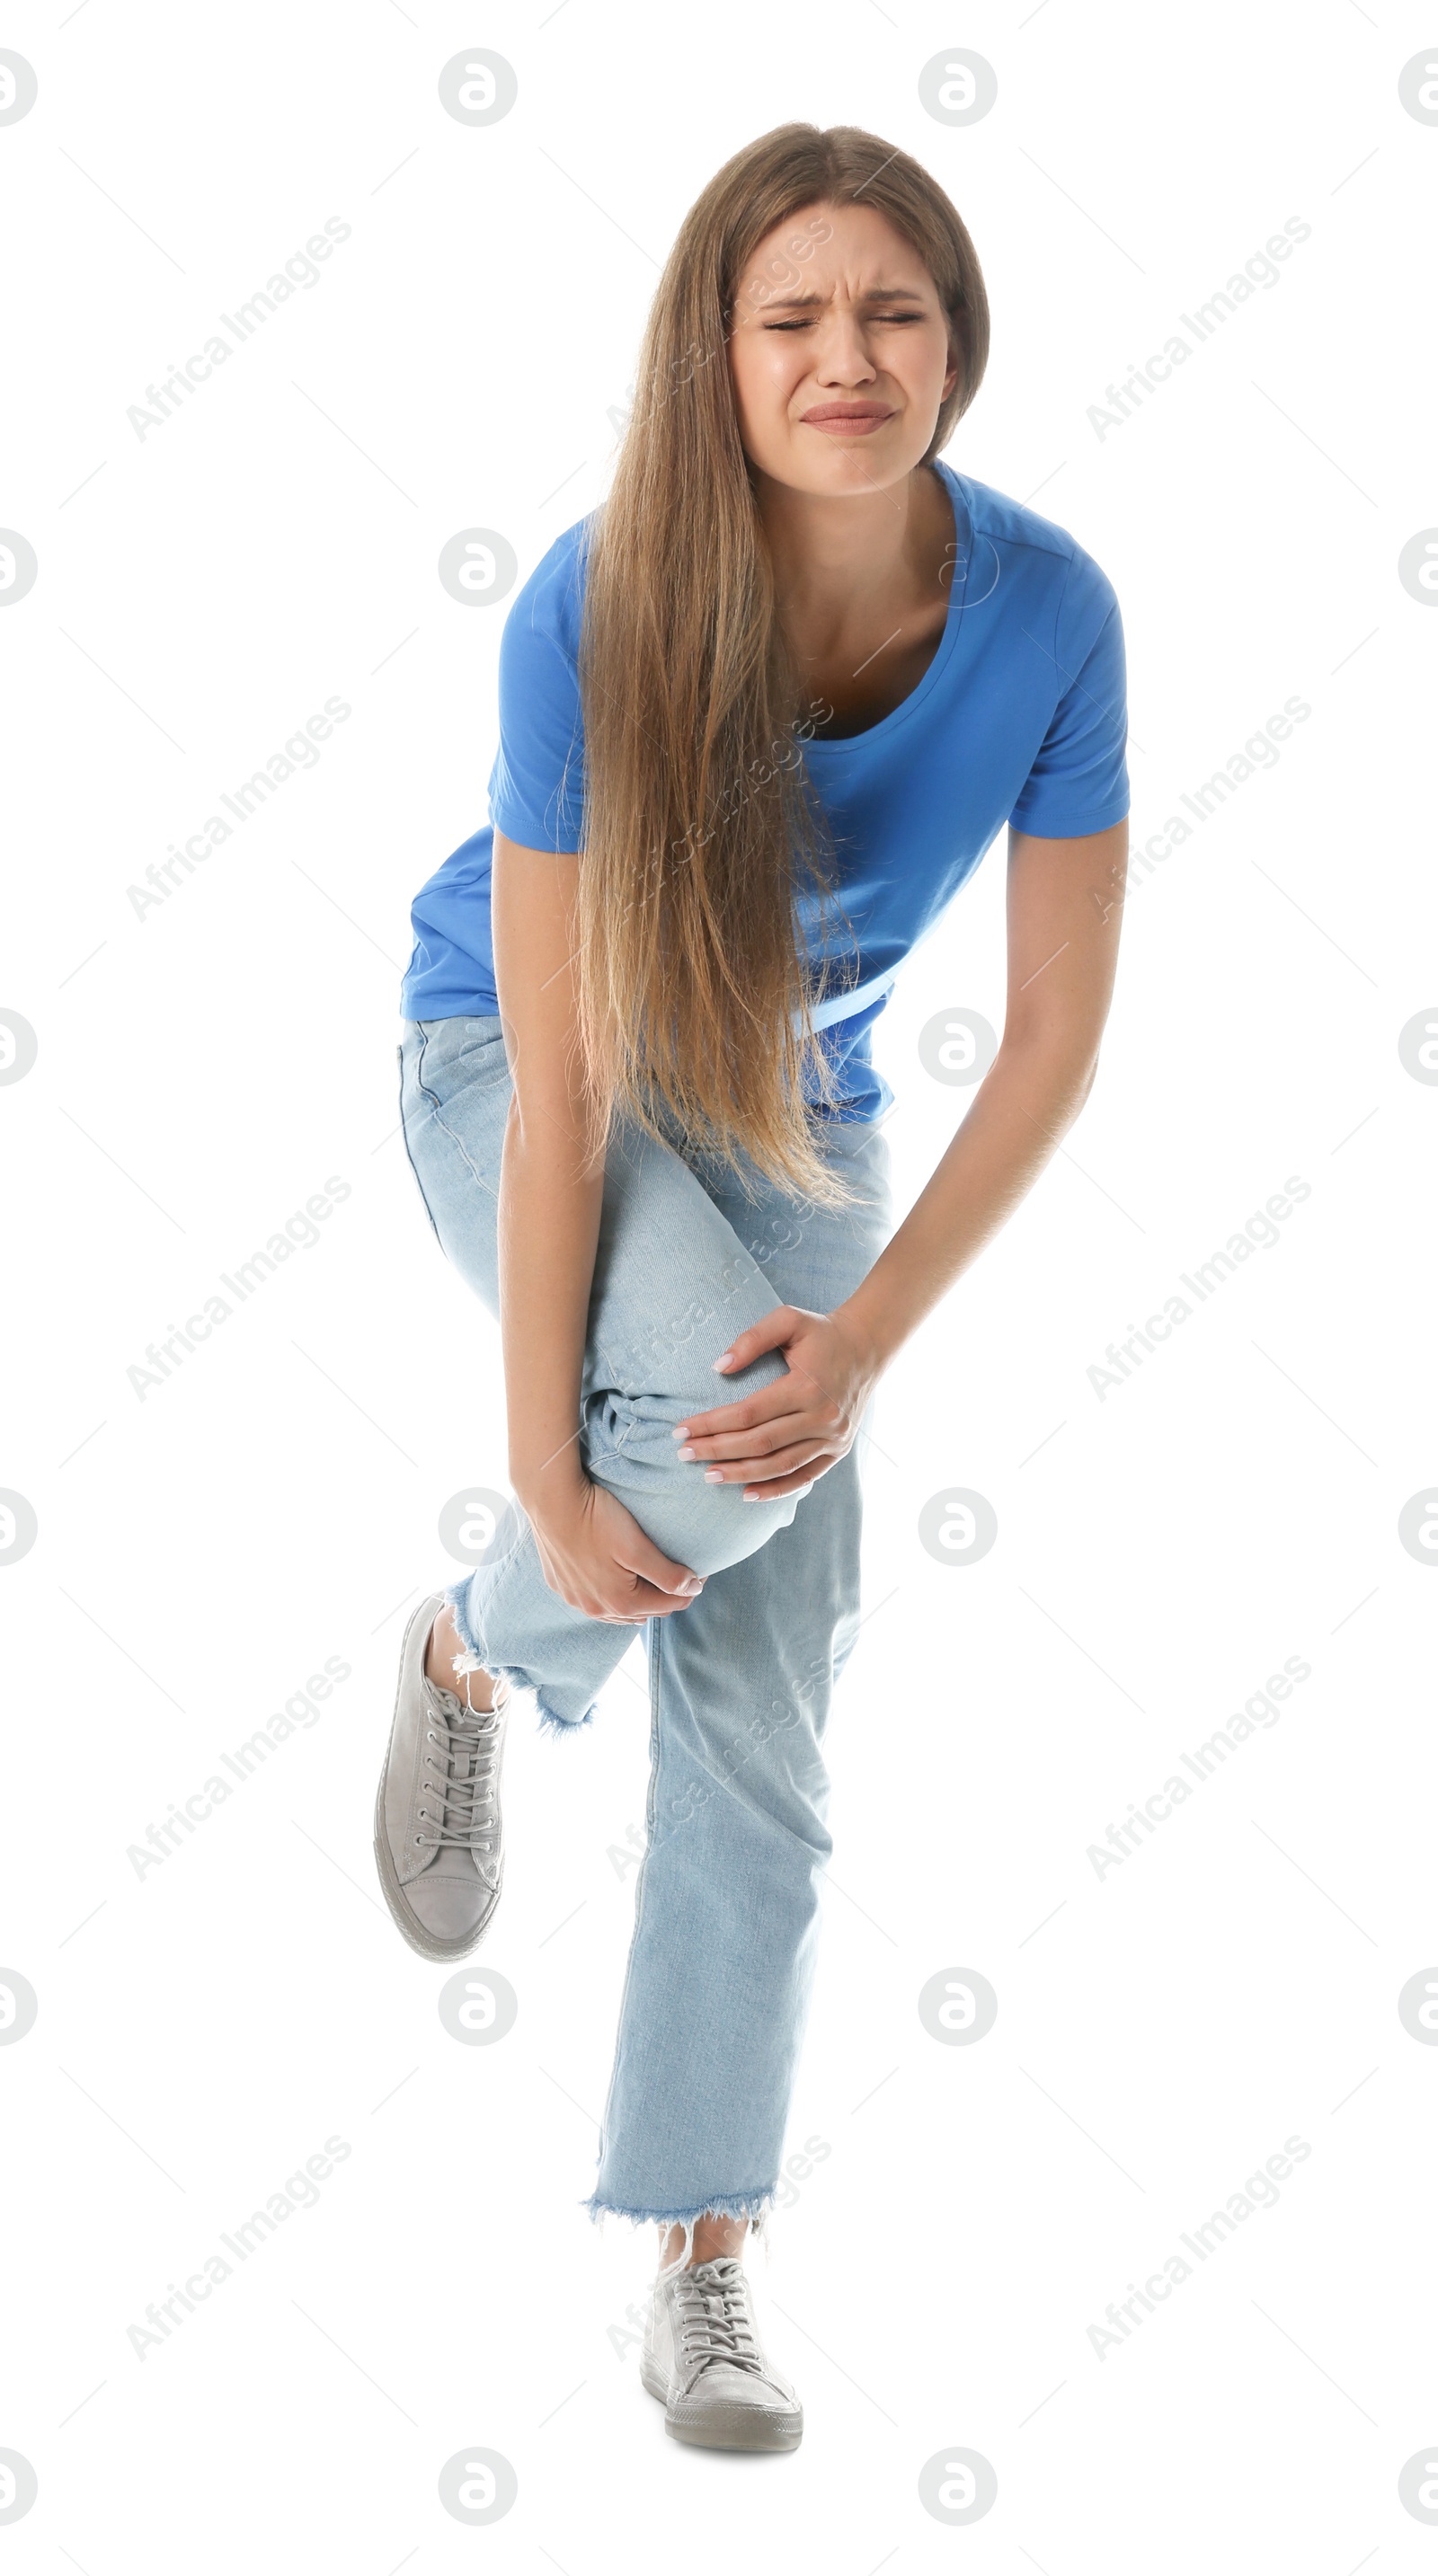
720,1967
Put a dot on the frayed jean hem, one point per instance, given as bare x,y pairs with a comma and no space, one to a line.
457,1602
753,2205
552,1721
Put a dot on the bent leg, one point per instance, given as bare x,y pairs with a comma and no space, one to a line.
673,1284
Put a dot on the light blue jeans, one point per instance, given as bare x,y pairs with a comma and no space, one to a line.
716,1994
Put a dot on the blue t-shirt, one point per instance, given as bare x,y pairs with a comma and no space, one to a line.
1020,718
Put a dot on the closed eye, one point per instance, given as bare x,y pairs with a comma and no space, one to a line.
803,323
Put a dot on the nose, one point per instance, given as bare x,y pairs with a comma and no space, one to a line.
842,357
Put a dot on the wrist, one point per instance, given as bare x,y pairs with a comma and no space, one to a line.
549,1493
866,1326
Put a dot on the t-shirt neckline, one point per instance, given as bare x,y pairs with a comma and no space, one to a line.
907,706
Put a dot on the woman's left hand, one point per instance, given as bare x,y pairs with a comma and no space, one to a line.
780,1440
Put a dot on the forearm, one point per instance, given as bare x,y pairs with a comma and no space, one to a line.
550,1191
1024,1108
1064,914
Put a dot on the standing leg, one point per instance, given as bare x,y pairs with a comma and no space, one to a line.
726,1905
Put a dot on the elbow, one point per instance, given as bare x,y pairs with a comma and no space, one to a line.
1064,1069
551,1131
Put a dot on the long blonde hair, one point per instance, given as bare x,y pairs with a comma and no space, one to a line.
701,834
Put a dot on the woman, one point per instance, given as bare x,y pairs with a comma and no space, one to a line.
760,716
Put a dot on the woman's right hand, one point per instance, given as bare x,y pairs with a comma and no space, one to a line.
596,1557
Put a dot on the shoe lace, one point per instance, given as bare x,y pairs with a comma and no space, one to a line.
464,1776
711,2315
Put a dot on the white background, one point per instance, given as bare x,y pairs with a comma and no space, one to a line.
204,1069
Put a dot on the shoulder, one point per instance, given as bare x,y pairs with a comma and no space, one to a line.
1054,561
549,602
1012,523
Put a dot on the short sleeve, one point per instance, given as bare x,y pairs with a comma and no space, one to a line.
1079,780
536,784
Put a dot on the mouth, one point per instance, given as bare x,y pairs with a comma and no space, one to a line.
848,420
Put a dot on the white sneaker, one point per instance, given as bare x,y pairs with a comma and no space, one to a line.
438,1840
703,2360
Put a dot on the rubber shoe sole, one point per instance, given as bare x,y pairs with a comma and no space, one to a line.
727,2428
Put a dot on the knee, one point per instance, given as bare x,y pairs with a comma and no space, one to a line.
726,1528
630,1449
705,1526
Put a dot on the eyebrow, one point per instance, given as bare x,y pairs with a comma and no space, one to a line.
871,295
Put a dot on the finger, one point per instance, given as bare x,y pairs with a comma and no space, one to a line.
657,1604
763,1407
801,1483
762,1440
807,1455
643,1602
771,1403
749,1346
655,1571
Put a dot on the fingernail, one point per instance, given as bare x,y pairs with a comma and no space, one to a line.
680,1432
724,1359
693,1585
751,1496
712,1476
686,1453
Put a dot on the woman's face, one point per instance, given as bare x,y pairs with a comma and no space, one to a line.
839,353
